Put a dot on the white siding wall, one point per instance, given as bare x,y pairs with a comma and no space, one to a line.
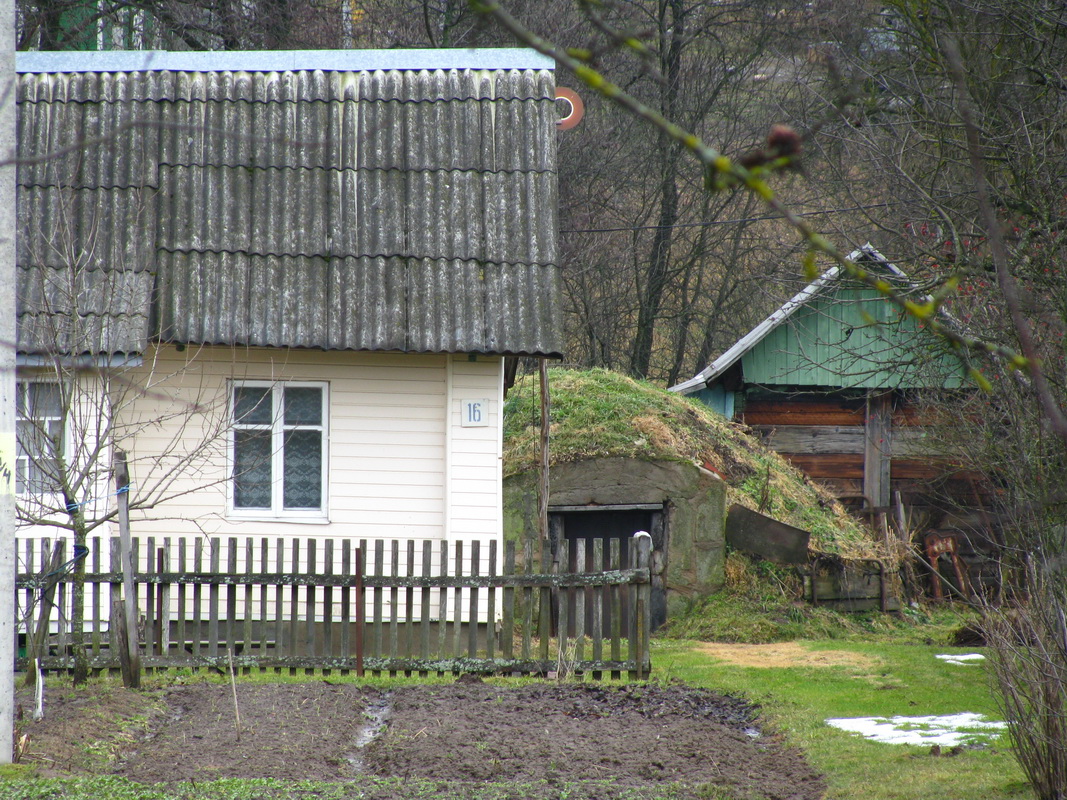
401,464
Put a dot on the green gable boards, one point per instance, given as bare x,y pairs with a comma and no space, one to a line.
850,337
836,334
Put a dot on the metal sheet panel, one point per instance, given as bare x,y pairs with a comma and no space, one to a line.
91,311
389,209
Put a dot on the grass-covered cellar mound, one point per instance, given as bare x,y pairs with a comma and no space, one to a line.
596,413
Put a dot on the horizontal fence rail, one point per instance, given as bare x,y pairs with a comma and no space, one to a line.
379,606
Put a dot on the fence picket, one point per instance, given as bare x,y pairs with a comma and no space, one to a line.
457,605
97,622
424,597
295,648
379,567
212,603
327,602
346,600
507,622
472,614
490,609
597,632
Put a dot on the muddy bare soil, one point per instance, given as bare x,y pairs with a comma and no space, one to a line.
460,734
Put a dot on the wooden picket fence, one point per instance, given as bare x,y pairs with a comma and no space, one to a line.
378,606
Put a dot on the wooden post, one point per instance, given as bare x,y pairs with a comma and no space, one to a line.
642,544
130,654
543,487
877,456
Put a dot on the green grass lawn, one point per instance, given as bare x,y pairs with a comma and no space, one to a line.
884,679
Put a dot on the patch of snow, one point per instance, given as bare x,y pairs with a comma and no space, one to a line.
949,730
962,659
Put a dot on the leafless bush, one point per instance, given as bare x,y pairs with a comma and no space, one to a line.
1028,648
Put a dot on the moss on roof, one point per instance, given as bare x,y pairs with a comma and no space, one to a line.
599,414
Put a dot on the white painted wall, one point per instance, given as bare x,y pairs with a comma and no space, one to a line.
401,463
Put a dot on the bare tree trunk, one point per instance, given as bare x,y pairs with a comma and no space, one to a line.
650,296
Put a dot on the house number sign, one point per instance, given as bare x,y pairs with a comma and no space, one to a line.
474,413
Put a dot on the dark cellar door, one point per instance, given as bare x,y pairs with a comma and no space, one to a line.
605,524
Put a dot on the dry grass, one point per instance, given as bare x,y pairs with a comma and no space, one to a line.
784,655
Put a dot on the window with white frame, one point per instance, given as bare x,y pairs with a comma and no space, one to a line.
39,435
279,449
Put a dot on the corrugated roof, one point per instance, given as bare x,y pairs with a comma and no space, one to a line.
410,209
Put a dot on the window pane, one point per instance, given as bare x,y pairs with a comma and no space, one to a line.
303,406
252,405
44,400
43,476
303,469
251,466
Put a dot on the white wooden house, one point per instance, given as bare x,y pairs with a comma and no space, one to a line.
285,284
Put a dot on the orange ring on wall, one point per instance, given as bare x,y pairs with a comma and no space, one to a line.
577,108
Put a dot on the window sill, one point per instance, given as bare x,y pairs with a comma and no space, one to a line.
262,516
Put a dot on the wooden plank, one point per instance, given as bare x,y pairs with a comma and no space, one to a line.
457,604
296,646
537,580
327,601
361,601
878,447
310,602
409,604
424,596
394,600
527,600
264,598
615,595
803,411
117,609
150,598
562,607
442,605
643,609
163,613
597,633
507,612
231,597
490,609
198,598
579,601
812,439
214,557
247,592
280,647
828,466
293,664
472,614
183,590
544,610
97,603
346,599
377,650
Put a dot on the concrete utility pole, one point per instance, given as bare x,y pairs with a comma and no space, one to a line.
7,382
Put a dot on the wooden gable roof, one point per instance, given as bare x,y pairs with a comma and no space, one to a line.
836,334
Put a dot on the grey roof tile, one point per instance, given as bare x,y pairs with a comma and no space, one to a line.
392,210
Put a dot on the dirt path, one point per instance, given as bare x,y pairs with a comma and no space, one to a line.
465,732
